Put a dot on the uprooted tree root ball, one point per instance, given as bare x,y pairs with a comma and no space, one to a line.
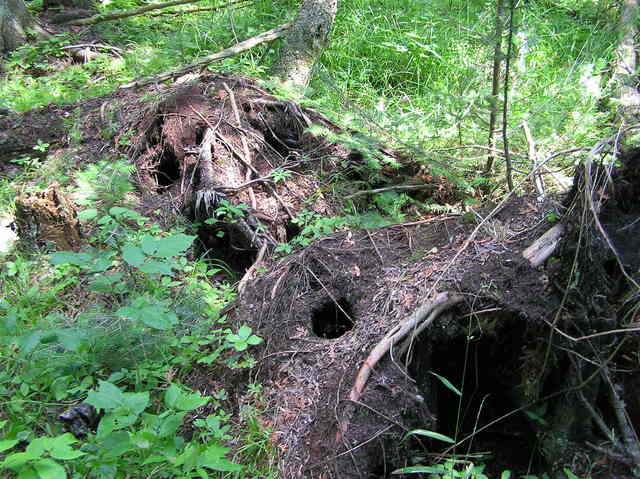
410,305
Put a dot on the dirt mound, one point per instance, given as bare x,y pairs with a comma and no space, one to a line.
323,309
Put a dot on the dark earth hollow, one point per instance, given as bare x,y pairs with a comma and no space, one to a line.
485,367
332,319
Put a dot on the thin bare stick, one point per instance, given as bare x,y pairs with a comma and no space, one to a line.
442,301
245,145
538,181
627,431
117,15
254,267
388,188
245,45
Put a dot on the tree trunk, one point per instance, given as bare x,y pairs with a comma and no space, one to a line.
306,40
14,20
624,79
495,86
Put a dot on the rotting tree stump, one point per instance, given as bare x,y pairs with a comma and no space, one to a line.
46,219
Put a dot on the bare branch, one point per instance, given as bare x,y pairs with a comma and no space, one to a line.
264,37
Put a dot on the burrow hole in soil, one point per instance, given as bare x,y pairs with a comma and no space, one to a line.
332,319
487,371
167,172
221,251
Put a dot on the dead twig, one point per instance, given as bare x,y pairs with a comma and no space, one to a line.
245,45
441,302
388,188
254,267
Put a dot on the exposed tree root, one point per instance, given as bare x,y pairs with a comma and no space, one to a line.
429,310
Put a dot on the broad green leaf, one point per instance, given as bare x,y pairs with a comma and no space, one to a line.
153,315
136,402
8,444
29,341
171,395
88,215
189,402
116,444
149,245
173,245
505,475
431,434
49,469
108,396
27,472
69,257
60,447
133,255
105,283
71,338
213,458
447,383
157,267
18,459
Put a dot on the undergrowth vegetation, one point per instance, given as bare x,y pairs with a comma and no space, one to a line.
120,326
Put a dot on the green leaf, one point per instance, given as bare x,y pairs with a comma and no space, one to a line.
107,397
105,283
8,444
213,458
175,398
447,383
431,434
505,475
69,257
153,315
157,267
149,245
88,215
49,469
116,444
133,255
173,245
439,469
71,338
171,395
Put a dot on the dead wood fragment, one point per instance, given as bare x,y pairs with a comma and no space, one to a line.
627,431
48,218
245,145
264,37
543,247
429,310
